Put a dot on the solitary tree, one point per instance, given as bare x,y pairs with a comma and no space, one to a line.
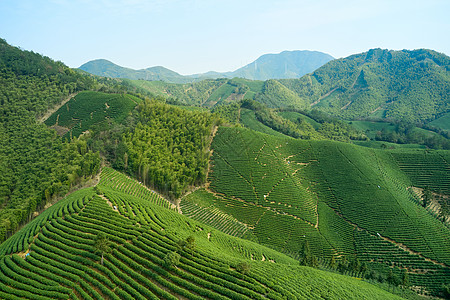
171,259
243,267
188,243
426,196
444,211
405,279
333,263
102,244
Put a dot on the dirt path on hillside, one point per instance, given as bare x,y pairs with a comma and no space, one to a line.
397,244
55,108
324,96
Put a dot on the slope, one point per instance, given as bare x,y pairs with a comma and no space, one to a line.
90,108
61,261
348,202
287,64
103,67
398,85
36,168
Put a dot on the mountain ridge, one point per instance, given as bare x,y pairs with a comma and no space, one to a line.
287,64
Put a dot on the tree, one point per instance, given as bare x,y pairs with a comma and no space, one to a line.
390,278
404,279
306,257
444,210
343,265
171,259
188,243
363,269
333,263
102,244
243,267
426,196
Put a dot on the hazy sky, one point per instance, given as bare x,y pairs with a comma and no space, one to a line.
195,36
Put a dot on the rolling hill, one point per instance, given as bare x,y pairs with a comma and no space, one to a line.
152,252
103,67
90,108
263,215
409,85
348,202
287,64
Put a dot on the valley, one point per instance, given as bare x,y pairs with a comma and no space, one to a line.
334,184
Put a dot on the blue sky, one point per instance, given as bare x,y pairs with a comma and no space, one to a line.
196,36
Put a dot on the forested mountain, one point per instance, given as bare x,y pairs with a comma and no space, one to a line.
35,167
287,64
410,86
103,67
413,86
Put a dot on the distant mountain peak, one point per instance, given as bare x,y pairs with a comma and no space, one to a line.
287,64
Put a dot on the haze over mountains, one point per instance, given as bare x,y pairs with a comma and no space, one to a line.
226,188
287,64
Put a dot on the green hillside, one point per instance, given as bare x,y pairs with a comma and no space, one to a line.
442,122
150,252
89,108
103,67
36,167
410,86
346,201
396,85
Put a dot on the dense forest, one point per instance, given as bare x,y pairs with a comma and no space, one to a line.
295,125
405,85
408,86
36,165
168,148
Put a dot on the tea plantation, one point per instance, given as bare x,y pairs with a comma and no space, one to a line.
89,108
152,252
348,202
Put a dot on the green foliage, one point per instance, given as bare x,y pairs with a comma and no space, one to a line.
307,258
229,112
102,244
36,167
442,122
427,196
276,95
168,148
62,262
401,85
90,108
291,191
243,267
172,259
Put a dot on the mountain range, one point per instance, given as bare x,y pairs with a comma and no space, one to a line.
224,188
287,64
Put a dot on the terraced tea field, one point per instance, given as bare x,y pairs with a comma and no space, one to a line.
336,196
89,108
55,257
